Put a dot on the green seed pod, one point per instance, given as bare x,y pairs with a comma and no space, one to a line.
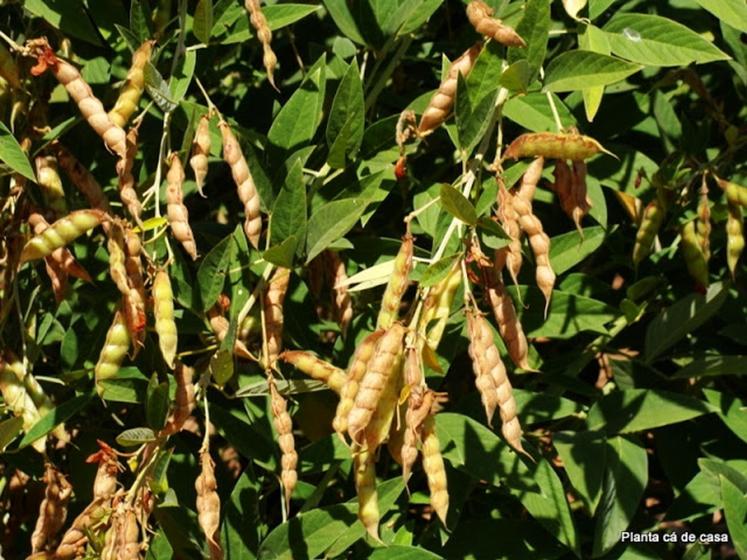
163,309
397,285
693,255
365,486
114,351
734,237
735,194
62,232
652,220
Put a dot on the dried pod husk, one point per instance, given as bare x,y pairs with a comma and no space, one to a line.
442,101
73,542
80,92
581,200
208,504
18,400
116,247
692,252
134,302
113,353
508,323
184,400
126,180
177,213
380,368
485,358
316,368
378,428
220,325
397,284
284,428
122,541
245,185
9,69
480,16
57,277
703,225
82,178
343,303
563,186
351,383
419,407
364,466
734,237
105,482
163,309
200,152
62,257
129,95
651,222
50,183
554,145
61,233
274,297
435,471
259,23
509,220
53,509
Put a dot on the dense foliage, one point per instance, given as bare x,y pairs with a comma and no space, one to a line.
275,183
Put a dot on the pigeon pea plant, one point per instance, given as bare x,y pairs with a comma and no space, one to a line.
253,301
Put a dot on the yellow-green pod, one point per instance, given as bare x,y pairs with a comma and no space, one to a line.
62,232
734,237
9,68
445,292
693,254
365,486
316,368
113,353
397,285
651,222
129,96
735,194
163,309
18,400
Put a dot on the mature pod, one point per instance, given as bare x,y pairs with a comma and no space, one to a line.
9,68
134,301
316,368
116,246
163,309
18,400
508,323
83,179
127,192
80,92
274,297
509,219
105,482
532,226
437,307
184,401
485,358
176,211
73,542
122,540
343,303
115,349
554,145
480,16
208,504
442,101
201,152
62,257
50,183
581,201
734,237
284,428
693,254
53,509
703,225
61,233
435,471
364,466
378,428
356,370
247,190
380,368
220,325
651,222
57,278
259,22
397,284
129,95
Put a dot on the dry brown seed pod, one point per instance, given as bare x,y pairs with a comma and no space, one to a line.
220,325
397,284
581,200
316,368
242,176
554,145
129,96
127,192
259,22
105,483
177,213
184,401
73,542
83,179
201,152
378,428
342,301
480,16
356,371
80,92
509,219
208,504
562,186
274,297
134,301
380,368
435,471
703,225
365,486
53,509
284,428
485,358
442,101
508,323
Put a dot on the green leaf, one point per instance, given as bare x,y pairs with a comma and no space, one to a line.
140,21
533,112
682,318
221,363
211,275
346,119
713,366
247,437
437,271
54,418
401,552
136,436
731,410
593,39
69,16
182,76
156,403
658,41
584,456
534,28
9,429
635,410
517,76
472,118
289,210
158,89
344,20
735,510
202,24
12,155
569,249
419,13
283,253
330,222
579,70
295,124
731,12
624,483
457,205
241,519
